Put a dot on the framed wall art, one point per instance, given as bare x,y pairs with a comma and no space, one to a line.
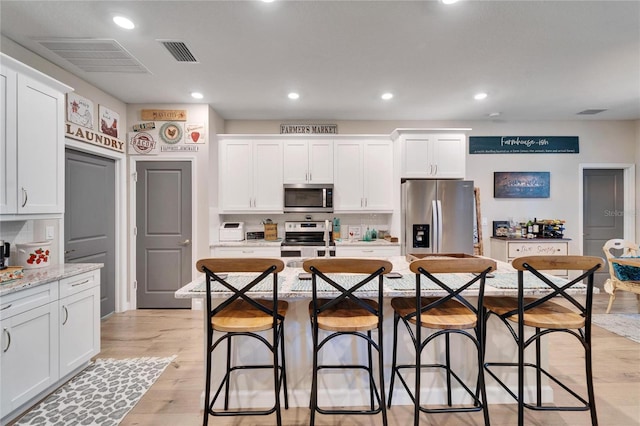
79,110
521,184
108,121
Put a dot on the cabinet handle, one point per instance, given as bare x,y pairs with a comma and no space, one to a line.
77,284
367,251
6,331
436,168
7,307
310,178
366,202
430,169
66,315
306,177
25,197
247,251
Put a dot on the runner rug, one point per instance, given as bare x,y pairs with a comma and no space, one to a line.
626,325
102,394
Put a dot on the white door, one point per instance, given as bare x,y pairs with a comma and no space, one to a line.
448,156
378,175
416,156
268,192
236,175
321,161
40,154
348,185
296,159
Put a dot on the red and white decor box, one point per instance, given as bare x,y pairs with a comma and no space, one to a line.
34,255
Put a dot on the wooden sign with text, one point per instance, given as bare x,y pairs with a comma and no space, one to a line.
163,114
76,132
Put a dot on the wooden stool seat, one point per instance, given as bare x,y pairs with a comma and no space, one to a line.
240,316
346,316
548,315
450,315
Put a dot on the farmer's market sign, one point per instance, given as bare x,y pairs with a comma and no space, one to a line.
73,131
523,145
322,129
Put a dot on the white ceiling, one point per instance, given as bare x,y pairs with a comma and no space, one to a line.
537,60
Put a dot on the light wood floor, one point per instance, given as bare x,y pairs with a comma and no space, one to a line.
175,398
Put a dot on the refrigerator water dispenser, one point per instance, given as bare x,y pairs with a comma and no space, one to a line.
421,236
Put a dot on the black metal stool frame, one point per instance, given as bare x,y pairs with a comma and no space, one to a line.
583,336
376,395
278,342
419,344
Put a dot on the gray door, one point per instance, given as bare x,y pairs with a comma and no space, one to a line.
603,212
163,222
89,219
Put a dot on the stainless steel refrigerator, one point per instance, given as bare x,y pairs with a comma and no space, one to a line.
437,216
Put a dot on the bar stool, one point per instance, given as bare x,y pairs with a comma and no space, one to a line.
240,315
348,314
448,314
547,316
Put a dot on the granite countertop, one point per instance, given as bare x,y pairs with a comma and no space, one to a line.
530,240
265,243
35,277
291,287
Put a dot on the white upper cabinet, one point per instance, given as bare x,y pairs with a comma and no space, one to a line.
31,141
250,176
432,155
308,161
363,176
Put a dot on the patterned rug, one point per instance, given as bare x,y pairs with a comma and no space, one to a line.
626,325
102,394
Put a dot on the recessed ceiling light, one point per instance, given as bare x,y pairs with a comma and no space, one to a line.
387,96
293,95
480,96
123,22
197,95
449,1
267,1
495,114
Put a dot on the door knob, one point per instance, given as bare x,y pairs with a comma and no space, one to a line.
185,242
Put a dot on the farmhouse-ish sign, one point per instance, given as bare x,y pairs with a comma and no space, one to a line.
523,145
163,115
323,129
73,131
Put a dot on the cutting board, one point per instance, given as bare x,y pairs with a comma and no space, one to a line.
11,273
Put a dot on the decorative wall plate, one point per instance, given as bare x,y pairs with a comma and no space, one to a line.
171,133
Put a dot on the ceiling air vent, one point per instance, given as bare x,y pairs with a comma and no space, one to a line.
95,55
591,111
179,51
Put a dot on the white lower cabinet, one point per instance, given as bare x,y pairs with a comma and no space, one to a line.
372,251
48,332
508,249
79,320
29,357
246,251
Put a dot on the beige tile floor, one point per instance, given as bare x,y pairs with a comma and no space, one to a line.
174,398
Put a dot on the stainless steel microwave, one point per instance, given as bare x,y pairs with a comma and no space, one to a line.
308,198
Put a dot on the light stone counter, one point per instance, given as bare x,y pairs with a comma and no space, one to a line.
36,277
247,243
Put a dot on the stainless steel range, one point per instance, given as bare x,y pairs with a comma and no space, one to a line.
307,239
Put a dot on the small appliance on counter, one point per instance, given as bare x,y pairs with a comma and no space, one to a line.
34,255
4,254
232,231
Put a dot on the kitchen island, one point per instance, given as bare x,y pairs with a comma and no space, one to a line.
339,390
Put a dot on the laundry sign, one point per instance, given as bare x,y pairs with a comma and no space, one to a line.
523,145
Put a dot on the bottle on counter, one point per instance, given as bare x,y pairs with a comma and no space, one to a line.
536,227
529,227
